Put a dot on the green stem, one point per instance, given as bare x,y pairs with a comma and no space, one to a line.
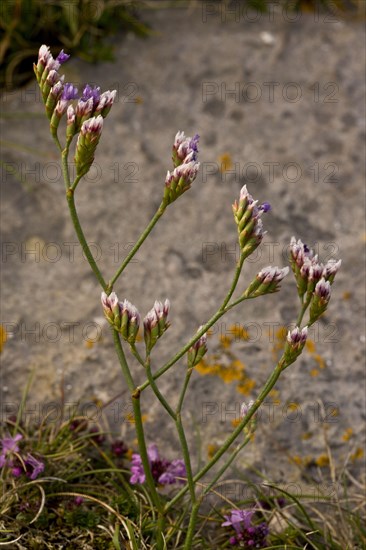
157,392
221,311
191,526
234,283
184,389
265,391
186,456
141,437
303,310
82,239
227,464
137,245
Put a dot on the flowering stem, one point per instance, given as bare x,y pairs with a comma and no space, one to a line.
157,392
222,470
191,526
222,310
140,436
184,389
235,281
265,391
137,245
82,240
303,310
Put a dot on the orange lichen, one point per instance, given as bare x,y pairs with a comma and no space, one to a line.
310,345
347,434
225,162
211,449
246,386
225,341
239,332
322,461
358,454
3,337
314,372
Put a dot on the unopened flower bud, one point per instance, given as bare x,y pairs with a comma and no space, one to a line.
71,126
156,323
267,281
247,216
185,149
86,145
111,308
105,103
295,343
331,269
130,321
197,350
320,300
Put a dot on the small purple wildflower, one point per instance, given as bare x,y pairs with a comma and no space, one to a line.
34,466
119,448
69,92
9,446
62,57
78,501
266,207
91,93
163,471
252,536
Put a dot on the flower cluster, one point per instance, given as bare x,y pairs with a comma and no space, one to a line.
86,117
10,457
247,534
185,150
163,471
125,318
295,343
156,323
247,216
267,281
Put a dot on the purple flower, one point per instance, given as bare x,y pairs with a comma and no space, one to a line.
185,149
163,471
69,92
9,446
247,216
297,337
119,448
266,207
34,466
253,536
91,93
62,57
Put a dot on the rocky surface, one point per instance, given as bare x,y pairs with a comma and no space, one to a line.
281,103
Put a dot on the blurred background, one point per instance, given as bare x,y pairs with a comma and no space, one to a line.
276,92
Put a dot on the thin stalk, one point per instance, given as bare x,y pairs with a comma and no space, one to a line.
184,389
272,379
303,310
82,239
227,464
186,456
234,283
160,211
141,437
191,526
157,392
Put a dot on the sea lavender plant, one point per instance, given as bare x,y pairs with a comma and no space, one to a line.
85,123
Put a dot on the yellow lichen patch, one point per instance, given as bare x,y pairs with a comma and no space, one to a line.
293,406
129,454
89,343
274,395
300,461
347,295
239,333
314,373
205,368
229,374
3,337
225,162
320,360
310,345
211,449
306,435
235,422
138,100
129,417
359,453
347,434
225,341
246,386
322,461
